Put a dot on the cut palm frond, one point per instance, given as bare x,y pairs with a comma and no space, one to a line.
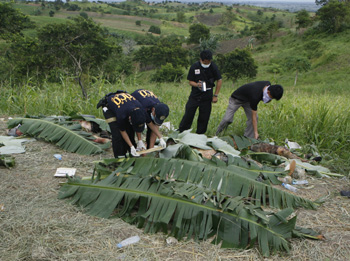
233,182
193,140
186,210
238,164
240,142
221,145
267,158
67,137
250,169
301,232
231,157
182,151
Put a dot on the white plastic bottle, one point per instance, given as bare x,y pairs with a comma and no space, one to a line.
290,187
128,241
300,182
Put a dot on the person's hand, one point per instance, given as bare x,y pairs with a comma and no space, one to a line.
200,85
162,143
140,145
133,152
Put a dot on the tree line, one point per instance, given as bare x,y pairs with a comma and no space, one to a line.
82,48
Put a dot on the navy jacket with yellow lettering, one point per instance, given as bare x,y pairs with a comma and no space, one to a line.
147,99
122,104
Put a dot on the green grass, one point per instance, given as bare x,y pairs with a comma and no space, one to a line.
315,111
314,117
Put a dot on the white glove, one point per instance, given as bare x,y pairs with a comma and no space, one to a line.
162,143
140,145
133,152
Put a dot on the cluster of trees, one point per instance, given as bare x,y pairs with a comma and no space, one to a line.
332,17
81,47
78,47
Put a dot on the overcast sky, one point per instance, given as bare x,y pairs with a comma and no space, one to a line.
241,1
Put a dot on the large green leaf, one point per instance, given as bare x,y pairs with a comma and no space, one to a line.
255,171
240,142
267,158
233,181
249,169
67,137
7,161
191,211
221,145
181,151
193,139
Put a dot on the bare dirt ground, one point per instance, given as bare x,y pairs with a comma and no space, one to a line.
35,225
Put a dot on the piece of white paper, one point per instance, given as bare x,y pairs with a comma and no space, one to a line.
62,172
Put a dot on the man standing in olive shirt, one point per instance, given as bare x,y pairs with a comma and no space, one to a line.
248,96
202,76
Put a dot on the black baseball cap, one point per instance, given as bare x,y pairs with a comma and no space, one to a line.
138,119
162,112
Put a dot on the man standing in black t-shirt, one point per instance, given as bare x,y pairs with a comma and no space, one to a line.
202,76
248,96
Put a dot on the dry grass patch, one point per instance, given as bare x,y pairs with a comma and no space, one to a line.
35,225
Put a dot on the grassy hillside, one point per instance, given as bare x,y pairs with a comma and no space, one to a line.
122,16
313,112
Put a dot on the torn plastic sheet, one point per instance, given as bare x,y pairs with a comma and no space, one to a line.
292,145
12,145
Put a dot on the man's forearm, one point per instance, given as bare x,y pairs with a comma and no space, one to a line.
126,138
218,87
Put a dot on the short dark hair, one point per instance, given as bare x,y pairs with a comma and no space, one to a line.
276,91
206,55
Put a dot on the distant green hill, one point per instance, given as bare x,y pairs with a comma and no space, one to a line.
230,24
122,17
132,19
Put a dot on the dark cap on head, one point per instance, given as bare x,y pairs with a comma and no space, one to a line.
206,55
276,91
138,119
162,112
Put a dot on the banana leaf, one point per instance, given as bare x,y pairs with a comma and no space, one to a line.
184,211
193,139
221,145
233,182
267,158
300,232
67,137
181,151
252,170
7,161
266,172
240,142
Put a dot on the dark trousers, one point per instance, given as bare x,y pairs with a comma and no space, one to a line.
190,111
148,136
120,147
